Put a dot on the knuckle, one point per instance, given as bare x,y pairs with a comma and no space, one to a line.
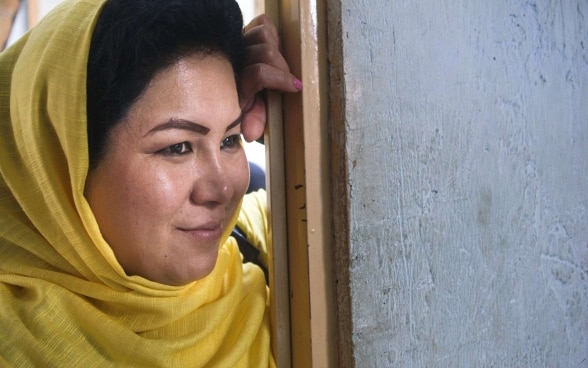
264,35
258,73
269,53
268,29
264,19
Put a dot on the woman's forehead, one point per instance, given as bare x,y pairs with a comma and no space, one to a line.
198,89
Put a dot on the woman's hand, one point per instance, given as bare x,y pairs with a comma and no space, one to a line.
265,68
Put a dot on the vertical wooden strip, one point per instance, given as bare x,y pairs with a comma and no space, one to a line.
318,189
276,184
296,203
339,188
279,275
313,307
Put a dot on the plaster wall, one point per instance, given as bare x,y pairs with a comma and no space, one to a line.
466,127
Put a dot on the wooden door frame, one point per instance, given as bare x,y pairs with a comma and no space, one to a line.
303,314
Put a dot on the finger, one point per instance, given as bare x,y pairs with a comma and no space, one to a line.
264,21
257,77
262,34
253,123
266,54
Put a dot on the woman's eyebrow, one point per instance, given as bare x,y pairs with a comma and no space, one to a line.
188,125
179,124
235,123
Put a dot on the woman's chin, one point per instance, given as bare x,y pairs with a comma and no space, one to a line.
180,276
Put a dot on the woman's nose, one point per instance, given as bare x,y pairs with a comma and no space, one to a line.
212,185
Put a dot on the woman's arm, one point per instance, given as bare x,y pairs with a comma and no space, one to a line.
8,9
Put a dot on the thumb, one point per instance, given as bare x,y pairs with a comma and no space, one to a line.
253,123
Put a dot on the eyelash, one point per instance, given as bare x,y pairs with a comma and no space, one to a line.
183,148
232,141
178,149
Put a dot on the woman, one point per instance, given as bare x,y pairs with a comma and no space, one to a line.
116,205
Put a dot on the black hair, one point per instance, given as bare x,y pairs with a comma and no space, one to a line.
135,39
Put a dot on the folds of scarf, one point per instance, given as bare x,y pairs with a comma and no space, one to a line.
64,298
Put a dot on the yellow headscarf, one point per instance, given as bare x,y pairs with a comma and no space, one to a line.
64,298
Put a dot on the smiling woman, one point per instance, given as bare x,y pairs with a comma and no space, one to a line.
178,182
122,178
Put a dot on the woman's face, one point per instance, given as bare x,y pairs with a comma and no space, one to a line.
173,173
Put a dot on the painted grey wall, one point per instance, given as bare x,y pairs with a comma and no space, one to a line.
466,128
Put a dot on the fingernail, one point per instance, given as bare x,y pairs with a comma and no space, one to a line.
298,84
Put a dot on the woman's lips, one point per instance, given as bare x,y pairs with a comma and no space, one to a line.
207,232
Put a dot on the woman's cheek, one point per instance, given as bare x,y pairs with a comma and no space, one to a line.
244,176
160,187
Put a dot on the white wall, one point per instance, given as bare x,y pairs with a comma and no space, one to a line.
467,152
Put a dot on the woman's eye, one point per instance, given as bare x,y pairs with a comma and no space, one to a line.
231,142
178,149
